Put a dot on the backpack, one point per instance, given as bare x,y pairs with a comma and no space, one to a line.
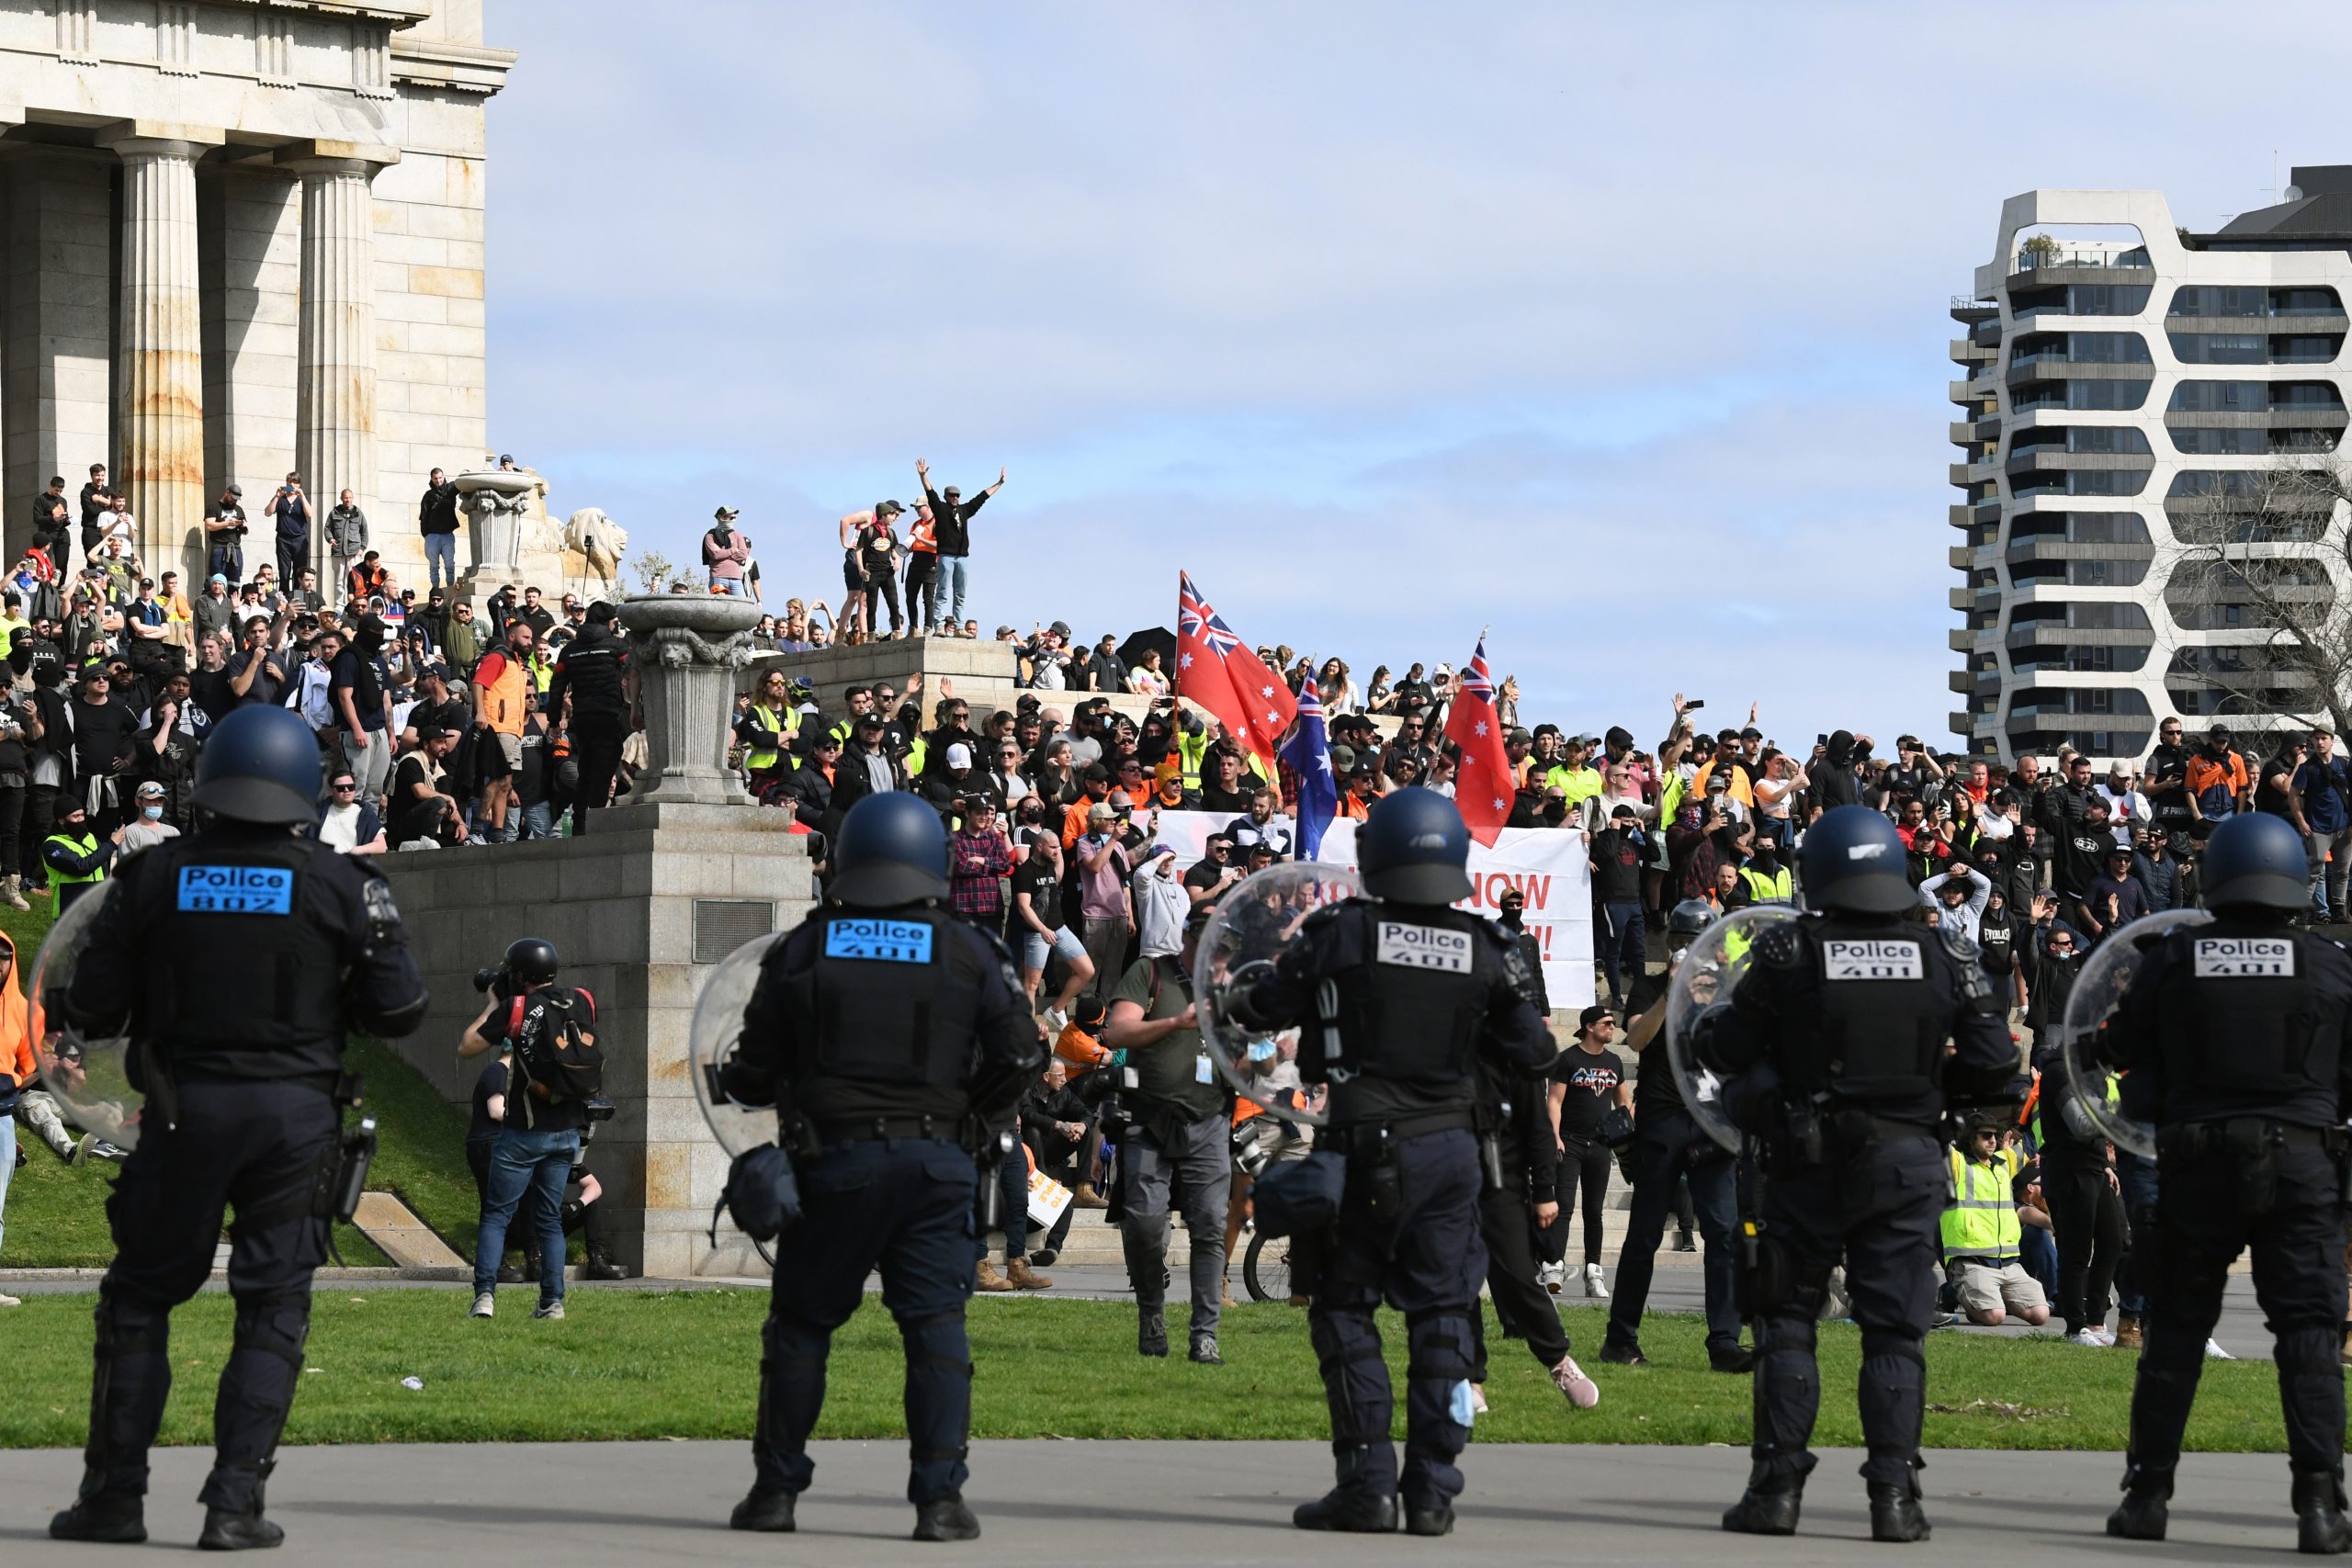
308,697
556,1053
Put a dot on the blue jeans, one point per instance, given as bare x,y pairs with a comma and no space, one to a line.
8,1166
2137,1177
538,821
532,1161
441,560
226,560
2040,1256
730,586
951,581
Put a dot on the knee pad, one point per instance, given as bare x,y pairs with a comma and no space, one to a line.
791,1344
1346,1345
938,1342
276,1325
1789,1332
2304,1350
1440,1343
1894,1358
128,1325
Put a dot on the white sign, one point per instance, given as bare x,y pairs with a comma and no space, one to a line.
1048,1199
1872,960
1424,947
2244,957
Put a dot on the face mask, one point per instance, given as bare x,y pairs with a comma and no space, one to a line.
1261,1050
153,813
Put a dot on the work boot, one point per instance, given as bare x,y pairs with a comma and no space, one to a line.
1025,1278
1735,1359
243,1530
1896,1514
2127,1332
1768,1507
2321,1529
1084,1197
1151,1332
12,893
1359,1513
1624,1355
2141,1515
770,1511
1205,1351
1435,1520
986,1278
600,1265
99,1515
946,1520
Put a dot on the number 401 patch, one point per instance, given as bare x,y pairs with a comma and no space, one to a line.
1872,961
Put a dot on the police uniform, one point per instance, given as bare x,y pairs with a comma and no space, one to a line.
879,1032
2236,1039
1840,1026
1399,1000
243,954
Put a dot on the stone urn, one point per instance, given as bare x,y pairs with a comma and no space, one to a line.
494,501
684,649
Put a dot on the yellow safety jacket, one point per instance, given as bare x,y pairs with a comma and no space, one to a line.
1983,1219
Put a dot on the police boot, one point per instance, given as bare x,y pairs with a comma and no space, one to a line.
1151,1332
2140,1516
770,1511
946,1520
244,1532
1896,1514
1359,1513
1435,1520
100,1515
601,1266
2321,1528
1768,1507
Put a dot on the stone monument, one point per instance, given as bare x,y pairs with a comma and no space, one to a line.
659,888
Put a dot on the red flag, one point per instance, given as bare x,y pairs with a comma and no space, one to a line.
1484,787
1216,669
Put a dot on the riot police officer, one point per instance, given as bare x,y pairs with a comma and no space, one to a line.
883,1030
1837,1034
2234,1040
243,1105
1401,993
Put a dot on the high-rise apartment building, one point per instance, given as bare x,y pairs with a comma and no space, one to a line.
2130,392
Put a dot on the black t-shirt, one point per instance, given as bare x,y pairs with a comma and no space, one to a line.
531,778
208,689
1409,697
1591,1078
481,1128
1655,1091
101,731
1205,874
1215,799
1044,885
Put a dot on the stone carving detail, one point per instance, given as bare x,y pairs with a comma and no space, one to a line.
593,548
690,648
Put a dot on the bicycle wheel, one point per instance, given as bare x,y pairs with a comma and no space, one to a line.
1267,1276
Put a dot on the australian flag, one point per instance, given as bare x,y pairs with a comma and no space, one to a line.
1308,753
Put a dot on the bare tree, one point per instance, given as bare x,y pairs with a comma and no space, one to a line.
653,570
2259,562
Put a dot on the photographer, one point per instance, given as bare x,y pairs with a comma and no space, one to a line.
549,1032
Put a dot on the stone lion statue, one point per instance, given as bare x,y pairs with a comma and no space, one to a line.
594,545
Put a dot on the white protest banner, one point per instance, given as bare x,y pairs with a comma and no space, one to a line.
1548,864
1048,1199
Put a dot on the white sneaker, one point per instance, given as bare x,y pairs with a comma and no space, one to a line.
2213,1351
2088,1338
1594,1289
484,1305
551,1311
1569,1379
1552,1276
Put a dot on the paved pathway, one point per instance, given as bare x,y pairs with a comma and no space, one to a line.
1086,1503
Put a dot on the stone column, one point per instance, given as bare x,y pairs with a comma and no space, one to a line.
684,651
161,356
335,374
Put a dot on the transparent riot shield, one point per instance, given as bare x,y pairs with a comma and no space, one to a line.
1254,923
88,1074
2091,1099
710,1047
1705,976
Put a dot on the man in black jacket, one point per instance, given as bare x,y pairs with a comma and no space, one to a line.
436,518
593,671
865,768
951,517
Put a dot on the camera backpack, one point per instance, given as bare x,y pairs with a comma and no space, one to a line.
555,1046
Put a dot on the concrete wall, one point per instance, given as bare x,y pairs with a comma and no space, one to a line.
58,358
621,907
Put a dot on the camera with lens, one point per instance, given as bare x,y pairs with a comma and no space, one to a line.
495,980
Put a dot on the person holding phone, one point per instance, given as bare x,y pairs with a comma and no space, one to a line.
291,508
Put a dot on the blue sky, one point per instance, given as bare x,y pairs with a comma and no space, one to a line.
1625,334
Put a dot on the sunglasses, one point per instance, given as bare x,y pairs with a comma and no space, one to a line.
340,788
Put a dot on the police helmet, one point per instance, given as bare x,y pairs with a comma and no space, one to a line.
260,765
1852,859
892,850
1413,849
2257,859
532,961
1689,918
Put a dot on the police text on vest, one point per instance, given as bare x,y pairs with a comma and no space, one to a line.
236,890
2244,957
879,941
1424,947
1872,961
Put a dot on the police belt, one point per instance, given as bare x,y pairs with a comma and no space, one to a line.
878,1129
2195,1138
1345,1139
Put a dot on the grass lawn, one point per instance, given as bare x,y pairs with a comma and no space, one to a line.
56,1215
637,1364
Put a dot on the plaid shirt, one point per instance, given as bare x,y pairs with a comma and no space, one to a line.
974,864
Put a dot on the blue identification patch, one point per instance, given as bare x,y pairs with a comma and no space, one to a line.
236,890
884,942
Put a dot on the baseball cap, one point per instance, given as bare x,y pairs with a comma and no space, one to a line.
959,755
1519,737
887,509
237,491
1100,812
1343,759
726,514
1591,1016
